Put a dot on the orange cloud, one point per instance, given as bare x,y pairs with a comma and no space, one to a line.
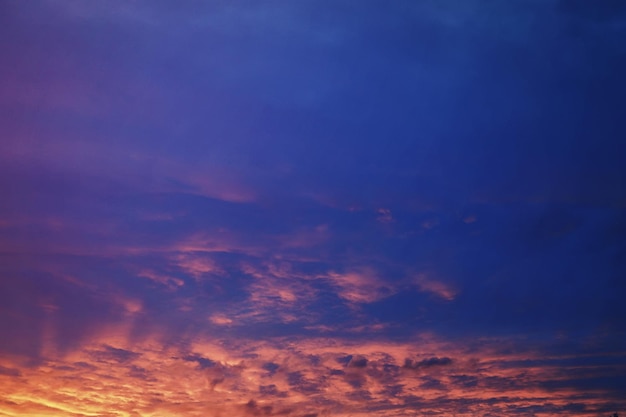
111,376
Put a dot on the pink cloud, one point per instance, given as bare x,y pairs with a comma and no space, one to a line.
220,320
435,287
384,215
197,265
170,282
360,285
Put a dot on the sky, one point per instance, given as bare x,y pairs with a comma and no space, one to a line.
323,208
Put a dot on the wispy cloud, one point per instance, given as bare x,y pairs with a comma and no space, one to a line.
435,287
361,285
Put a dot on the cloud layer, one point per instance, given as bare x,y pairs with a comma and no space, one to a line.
312,209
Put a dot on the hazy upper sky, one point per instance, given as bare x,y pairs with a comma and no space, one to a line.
312,208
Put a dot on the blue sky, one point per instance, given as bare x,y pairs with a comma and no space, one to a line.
312,208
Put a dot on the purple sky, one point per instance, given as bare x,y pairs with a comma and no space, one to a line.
312,208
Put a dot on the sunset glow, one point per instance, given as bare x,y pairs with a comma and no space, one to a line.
312,208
